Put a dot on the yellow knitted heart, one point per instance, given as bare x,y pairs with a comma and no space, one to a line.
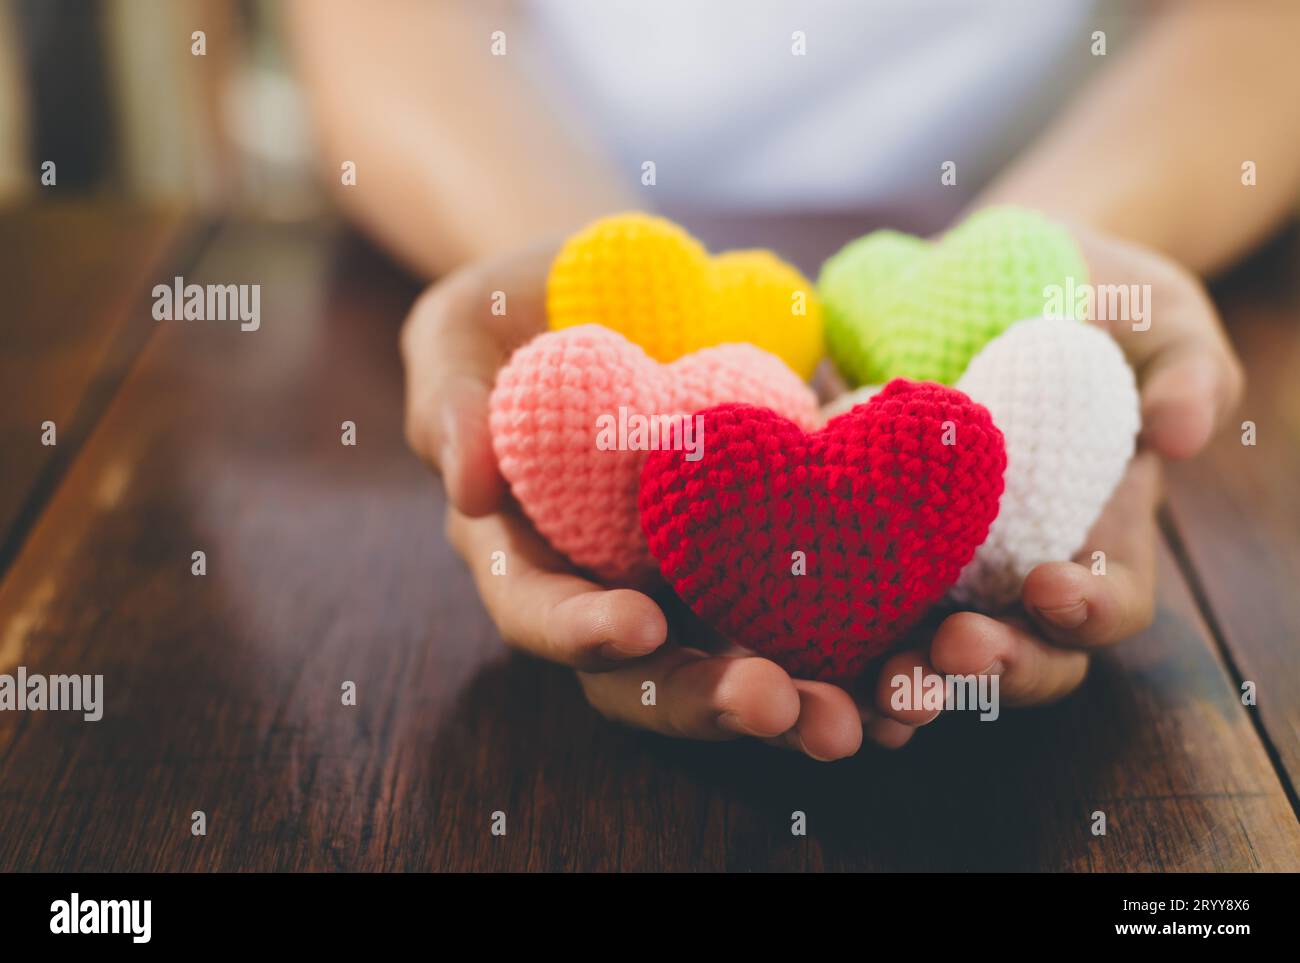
653,283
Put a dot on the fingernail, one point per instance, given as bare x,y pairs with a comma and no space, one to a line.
626,650
649,635
795,742
1069,617
731,722
889,734
993,668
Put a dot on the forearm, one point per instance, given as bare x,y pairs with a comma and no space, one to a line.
457,156
1153,151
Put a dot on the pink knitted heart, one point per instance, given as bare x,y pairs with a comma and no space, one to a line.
572,416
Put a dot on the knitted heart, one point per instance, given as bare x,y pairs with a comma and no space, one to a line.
574,411
1068,408
898,306
651,281
820,550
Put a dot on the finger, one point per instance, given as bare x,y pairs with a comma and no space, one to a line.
453,343
688,694
1075,607
1177,421
886,733
542,607
829,726
1189,374
1030,671
898,697
448,426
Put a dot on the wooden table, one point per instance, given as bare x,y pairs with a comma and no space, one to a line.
326,564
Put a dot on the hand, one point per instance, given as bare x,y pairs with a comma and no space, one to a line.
1190,381
616,638
452,346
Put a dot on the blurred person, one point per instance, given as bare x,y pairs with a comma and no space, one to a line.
477,165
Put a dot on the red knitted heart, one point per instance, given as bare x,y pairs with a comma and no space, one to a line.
887,503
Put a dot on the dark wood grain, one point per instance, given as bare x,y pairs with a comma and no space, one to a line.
1235,510
327,564
69,273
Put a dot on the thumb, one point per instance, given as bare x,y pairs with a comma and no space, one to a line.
452,345
461,443
450,368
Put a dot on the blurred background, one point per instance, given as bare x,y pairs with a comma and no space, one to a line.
112,91
257,126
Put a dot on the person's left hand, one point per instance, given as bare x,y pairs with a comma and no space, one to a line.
1190,381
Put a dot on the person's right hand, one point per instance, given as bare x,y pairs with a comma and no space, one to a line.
452,346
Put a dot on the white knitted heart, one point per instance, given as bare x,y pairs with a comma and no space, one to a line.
1067,405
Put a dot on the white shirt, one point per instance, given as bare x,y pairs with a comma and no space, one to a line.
713,92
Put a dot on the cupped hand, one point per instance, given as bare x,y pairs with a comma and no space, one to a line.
620,639
617,639
1190,381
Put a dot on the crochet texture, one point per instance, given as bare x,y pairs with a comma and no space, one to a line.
652,282
898,306
545,412
1068,408
884,512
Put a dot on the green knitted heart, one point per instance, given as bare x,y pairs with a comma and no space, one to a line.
899,306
